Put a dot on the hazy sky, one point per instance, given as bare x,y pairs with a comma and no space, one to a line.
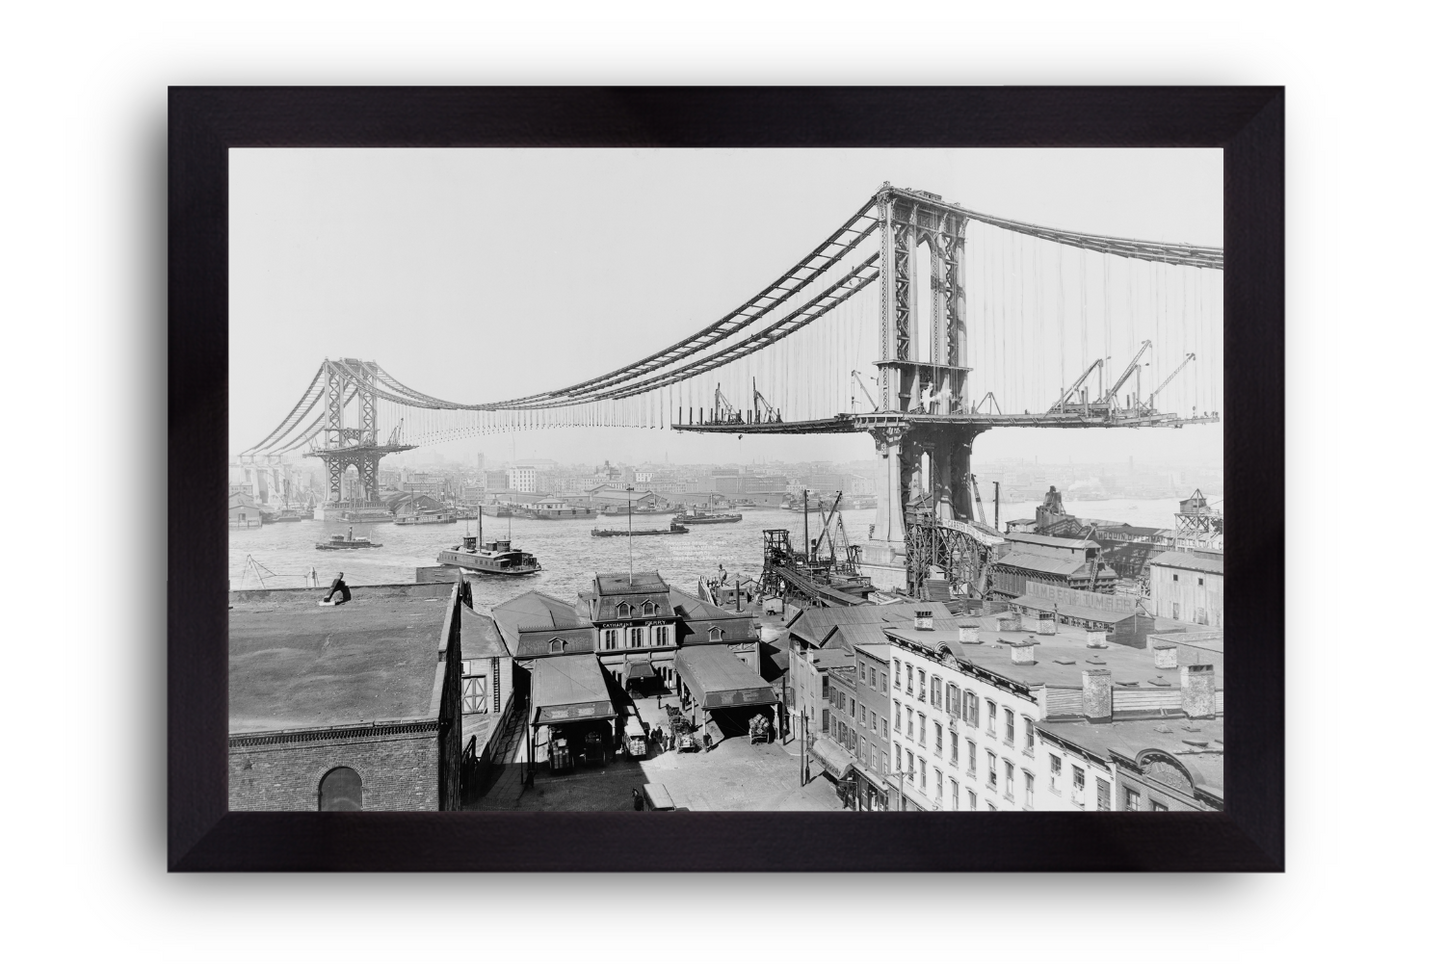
478,275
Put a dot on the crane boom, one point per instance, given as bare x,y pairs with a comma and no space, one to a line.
864,388
1187,359
724,408
1133,364
1059,405
762,411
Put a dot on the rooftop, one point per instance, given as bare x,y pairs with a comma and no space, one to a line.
1192,559
1034,562
813,625
533,610
1053,542
619,583
1073,611
297,665
1197,745
1059,660
480,638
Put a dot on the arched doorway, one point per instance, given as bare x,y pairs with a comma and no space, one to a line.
340,790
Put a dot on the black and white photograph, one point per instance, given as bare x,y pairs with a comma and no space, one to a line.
706,480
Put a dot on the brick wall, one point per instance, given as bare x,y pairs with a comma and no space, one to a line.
398,770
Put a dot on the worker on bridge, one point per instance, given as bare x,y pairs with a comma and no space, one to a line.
338,585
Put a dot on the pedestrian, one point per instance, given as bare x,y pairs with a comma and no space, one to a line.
338,585
636,799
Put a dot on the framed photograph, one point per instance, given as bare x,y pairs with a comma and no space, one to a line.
768,457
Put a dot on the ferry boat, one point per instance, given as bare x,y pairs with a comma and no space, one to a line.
555,510
700,517
432,518
495,558
348,541
672,530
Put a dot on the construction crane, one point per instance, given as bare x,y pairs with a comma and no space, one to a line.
864,389
1083,398
832,520
1187,359
1131,369
762,411
724,408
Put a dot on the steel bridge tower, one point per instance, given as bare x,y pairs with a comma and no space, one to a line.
347,380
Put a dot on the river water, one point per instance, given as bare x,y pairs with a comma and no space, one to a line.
285,553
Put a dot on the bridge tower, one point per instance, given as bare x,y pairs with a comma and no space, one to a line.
922,371
350,380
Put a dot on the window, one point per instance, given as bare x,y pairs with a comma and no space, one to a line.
993,808
1105,794
922,776
1008,727
922,685
897,757
663,635
897,716
555,645
825,687
970,708
1028,736
910,678
873,721
825,720
972,800
910,766
1201,580
992,717
861,677
953,791
1131,799
937,783
953,748
992,771
1176,577
852,708
1156,805
1008,779
872,677
340,789
951,701
624,611
1056,769
873,758
609,639
1028,790
923,731
935,692
972,758
910,723
895,672
715,634
649,609
635,640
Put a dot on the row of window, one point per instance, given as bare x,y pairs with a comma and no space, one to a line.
914,769
1009,724
624,610
637,637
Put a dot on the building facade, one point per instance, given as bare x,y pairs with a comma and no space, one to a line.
1188,585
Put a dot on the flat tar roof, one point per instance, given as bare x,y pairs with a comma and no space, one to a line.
1198,745
297,665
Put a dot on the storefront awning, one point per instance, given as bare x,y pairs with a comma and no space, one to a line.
569,689
831,754
719,680
639,670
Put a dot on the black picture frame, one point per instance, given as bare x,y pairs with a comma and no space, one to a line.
1247,122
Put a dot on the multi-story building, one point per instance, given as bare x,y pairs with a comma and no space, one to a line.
1068,563
872,754
636,628
522,478
1188,585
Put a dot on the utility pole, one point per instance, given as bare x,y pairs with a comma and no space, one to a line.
629,537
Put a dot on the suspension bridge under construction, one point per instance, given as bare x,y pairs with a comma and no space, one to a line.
918,321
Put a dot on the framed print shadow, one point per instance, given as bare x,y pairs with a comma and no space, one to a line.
752,454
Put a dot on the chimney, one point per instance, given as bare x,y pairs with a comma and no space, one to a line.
1197,692
1166,656
923,620
1022,652
1094,639
968,630
1048,624
1098,695
1009,623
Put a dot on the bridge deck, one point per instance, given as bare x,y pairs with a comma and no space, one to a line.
872,420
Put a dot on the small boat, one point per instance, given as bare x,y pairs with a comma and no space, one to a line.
288,515
672,530
348,542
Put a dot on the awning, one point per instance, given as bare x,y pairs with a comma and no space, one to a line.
639,669
719,680
569,689
831,754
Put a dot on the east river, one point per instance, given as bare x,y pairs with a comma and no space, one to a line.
285,553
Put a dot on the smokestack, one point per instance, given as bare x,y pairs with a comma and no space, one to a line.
1098,695
1166,656
1197,692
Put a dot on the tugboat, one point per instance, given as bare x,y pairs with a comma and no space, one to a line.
348,541
495,558
673,530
